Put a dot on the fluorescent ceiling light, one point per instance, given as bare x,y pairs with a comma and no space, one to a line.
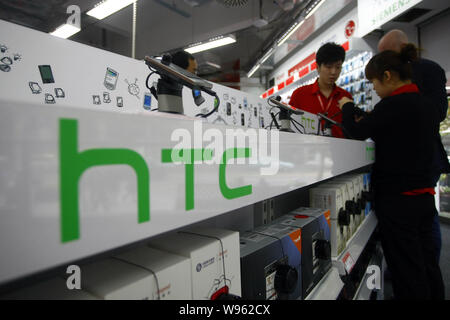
213,43
316,6
108,7
290,32
256,67
268,54
65,31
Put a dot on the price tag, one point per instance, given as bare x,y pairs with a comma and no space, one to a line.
348,262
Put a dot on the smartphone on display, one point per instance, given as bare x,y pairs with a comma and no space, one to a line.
147,101
228,109
111,77
242,119
261,119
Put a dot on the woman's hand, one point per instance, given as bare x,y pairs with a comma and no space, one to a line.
343,101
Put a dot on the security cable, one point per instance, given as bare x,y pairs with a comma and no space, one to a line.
216,107
296,122
298,129
274,119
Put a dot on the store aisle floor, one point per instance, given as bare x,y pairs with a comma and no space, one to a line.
445,257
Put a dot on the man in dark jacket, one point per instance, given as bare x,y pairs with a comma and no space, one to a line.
427,74
431,80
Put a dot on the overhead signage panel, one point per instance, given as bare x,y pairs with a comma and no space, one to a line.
374,13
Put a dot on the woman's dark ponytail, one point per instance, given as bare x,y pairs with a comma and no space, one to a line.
409,53
399,63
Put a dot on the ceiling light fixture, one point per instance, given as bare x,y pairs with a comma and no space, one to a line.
290,32
253,70
65,31
108,7
267,55
314,8
212,43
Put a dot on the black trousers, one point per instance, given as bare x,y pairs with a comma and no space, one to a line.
405,225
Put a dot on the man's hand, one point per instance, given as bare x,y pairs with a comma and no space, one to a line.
343,101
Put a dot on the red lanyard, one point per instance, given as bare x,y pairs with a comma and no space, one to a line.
321,103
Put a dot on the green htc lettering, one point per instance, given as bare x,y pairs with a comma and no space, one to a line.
188,157
228,193
74,163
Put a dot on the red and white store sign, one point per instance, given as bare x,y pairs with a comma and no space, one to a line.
350,29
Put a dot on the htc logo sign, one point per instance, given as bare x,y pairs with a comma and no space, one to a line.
73,164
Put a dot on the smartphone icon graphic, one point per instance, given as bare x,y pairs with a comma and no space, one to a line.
228,109
119,102
147,101
111,77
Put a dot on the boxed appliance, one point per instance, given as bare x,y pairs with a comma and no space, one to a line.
352,184
112,279
271,263
53,289
349,205
171,274
361,197
214,260
315,226
331,198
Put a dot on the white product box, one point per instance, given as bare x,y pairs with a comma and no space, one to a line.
171,273
111,279
203,246
331,198
363,187
348,204
354,191
53,289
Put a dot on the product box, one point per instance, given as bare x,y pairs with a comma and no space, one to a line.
352,184
362,188
53,289
112,279
214,260
349,205
171,274
331,198
368,204
315,225
271,263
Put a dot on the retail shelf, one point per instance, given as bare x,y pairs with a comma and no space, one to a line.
102,213
355,245
331,284
328,288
